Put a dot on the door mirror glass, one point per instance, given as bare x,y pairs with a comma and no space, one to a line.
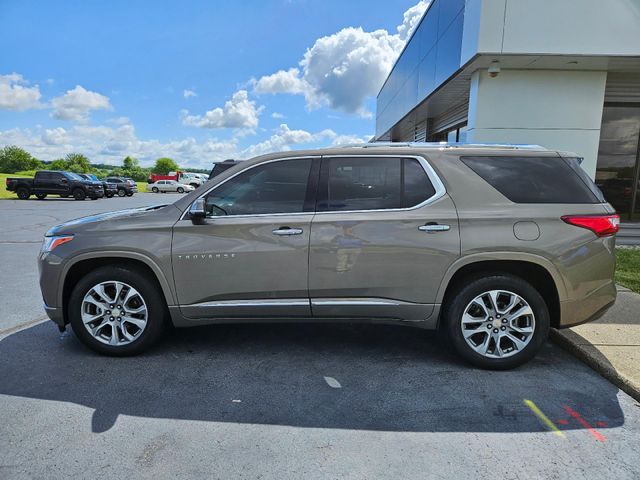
197,211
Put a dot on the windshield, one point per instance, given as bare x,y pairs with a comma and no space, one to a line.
73,176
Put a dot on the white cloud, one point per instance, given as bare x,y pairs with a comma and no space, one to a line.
189,93
15,94
284,138
411,18
282,81
341,140
77,103
344,69
239,112
277,115
110,144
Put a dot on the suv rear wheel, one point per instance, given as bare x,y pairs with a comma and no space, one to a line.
497,322
121,192
117,311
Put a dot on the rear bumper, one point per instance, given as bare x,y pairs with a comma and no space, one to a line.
588,308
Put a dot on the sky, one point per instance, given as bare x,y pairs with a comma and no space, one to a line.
197,81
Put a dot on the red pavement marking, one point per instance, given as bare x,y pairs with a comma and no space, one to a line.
601,424
562,422
597,435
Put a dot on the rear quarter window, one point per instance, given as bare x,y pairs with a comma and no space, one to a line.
535,179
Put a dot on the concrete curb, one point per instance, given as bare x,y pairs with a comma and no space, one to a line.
605,369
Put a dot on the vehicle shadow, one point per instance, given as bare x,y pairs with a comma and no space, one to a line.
367,377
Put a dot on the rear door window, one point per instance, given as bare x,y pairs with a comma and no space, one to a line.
373,183
534,179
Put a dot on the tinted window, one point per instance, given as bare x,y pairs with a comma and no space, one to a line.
362,183
374,184
417,186
43,175
55,176
277,187
533,179
574,163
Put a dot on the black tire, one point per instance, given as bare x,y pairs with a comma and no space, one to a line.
180,190
94,198
455,307
130,194
108,195
23,193
154,189
41,196
156,307
79,194
194,185
121,192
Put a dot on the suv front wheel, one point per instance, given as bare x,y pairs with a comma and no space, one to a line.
497,322
117,311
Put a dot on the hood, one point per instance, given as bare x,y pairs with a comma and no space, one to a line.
74,225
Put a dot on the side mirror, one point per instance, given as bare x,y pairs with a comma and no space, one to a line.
197,211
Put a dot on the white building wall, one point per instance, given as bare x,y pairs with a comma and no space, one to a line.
560,110
552,27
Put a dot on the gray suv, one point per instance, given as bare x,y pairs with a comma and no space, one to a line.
493,245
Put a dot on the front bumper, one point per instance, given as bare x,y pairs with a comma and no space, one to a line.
49,270
55,315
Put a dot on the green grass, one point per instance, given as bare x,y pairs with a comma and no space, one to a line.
628,268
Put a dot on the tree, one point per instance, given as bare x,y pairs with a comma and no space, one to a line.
130,163
165,165
77,162
58,164
15,159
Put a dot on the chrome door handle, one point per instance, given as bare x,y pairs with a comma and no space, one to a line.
434,227
282,231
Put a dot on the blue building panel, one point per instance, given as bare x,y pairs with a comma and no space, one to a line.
430,57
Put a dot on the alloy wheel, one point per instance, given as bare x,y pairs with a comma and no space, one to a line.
114,313
498,324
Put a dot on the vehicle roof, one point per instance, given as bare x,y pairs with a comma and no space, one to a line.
412,148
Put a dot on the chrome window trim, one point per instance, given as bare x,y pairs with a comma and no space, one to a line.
439,187
281,159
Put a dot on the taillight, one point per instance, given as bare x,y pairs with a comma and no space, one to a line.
601,225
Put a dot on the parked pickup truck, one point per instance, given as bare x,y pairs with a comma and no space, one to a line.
46,182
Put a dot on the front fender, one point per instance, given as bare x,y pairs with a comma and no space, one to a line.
165,285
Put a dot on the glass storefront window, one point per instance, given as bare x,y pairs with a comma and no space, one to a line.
617,169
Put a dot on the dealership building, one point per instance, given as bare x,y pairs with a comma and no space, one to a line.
564,74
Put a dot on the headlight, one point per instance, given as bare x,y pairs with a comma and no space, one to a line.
50,243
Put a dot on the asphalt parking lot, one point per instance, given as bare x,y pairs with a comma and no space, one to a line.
284,401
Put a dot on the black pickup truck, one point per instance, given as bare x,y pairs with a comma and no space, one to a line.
46,182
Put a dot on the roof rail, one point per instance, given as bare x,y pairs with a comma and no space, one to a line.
445,145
